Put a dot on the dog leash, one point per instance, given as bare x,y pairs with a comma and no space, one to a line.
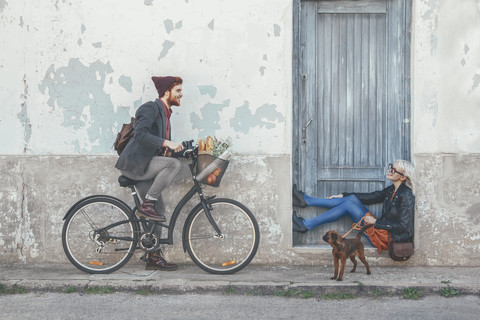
355,226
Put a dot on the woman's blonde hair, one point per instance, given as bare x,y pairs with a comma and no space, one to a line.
409,173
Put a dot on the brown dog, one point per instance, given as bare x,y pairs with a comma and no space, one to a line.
343,248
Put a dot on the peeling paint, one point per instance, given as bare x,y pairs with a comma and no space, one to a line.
276,30
211,25
431,105
168,25
78,91
56,4
97,45
476,81
263,117
430,16
210,118
137,103
24,117
167,45
210,90
433,44
148,2
83,28
262,70
3,4
126,83
433,7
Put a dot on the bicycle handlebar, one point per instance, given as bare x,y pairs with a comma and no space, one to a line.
187,152
188,148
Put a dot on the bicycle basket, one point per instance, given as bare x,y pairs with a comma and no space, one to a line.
210,169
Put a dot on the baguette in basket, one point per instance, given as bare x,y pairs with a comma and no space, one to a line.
206,146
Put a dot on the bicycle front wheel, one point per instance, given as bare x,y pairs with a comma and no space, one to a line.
98,235
230,251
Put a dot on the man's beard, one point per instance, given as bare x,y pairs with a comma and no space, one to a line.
173,101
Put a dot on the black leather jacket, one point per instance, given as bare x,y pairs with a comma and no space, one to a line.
397,215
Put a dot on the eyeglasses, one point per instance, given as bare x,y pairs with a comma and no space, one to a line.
393,170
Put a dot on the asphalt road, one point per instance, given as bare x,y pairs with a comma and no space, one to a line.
130,306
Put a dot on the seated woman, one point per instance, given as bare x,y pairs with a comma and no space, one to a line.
396,222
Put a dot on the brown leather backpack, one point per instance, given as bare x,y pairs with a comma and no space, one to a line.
125,134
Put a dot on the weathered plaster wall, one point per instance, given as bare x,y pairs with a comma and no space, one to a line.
73,71
446,76
37,191
70,75
446,135
448,209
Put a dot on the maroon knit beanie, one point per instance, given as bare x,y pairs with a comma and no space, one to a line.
162,84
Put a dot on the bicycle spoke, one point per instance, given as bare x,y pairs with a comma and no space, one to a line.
202,237
90,221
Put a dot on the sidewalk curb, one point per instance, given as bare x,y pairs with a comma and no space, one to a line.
254,280
230,288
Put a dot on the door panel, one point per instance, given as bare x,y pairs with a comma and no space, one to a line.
349,120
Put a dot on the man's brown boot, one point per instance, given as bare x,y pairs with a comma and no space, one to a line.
147,210
157,262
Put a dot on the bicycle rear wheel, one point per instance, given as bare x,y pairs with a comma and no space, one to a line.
226,253
98,235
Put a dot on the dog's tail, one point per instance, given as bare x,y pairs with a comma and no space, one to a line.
363,230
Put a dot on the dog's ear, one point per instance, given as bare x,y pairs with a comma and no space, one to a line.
334,238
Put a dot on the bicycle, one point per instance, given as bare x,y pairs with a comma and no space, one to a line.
101,233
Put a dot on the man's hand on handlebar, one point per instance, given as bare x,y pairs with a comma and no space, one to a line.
174,146
187,148
188,144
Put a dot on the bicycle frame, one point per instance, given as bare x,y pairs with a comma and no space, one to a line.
148,225
195,189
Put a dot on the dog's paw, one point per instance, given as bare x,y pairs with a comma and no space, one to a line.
339,279
333,278
369,273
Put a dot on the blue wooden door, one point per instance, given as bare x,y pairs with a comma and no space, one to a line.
351,110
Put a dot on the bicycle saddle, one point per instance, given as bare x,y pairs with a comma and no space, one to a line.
126,182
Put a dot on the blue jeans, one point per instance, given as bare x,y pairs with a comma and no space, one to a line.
339,207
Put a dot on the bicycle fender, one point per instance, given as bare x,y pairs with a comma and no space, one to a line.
90,197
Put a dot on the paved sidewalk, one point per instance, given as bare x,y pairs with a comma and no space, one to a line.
262,280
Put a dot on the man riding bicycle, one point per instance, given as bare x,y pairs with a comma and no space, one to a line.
147,155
